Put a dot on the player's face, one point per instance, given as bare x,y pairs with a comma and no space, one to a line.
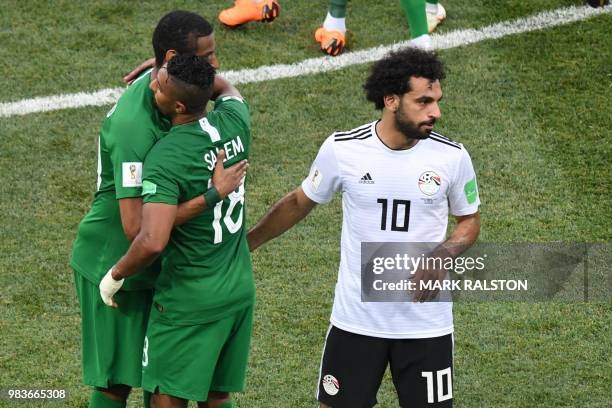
418,109
164,99
206,47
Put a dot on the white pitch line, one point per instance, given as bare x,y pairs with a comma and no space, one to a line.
309,66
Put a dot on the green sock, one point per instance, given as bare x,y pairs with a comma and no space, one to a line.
228,404
146,398
100,400
415,14
432,1
337,8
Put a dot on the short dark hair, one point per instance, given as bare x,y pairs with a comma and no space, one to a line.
178,30
391,75
193,78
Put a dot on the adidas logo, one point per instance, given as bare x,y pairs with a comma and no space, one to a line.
366,179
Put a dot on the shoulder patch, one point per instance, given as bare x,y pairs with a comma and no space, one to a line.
131,174
471,191
315,178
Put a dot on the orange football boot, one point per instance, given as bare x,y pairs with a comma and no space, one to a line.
332,41
245,11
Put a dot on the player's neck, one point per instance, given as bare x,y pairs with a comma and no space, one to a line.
181,119
391,136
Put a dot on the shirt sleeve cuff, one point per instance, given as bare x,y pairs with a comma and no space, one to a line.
161,199
473,209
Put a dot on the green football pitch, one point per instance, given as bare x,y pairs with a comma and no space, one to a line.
533,109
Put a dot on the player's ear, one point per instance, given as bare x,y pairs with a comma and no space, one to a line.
169,55
391,102
180,107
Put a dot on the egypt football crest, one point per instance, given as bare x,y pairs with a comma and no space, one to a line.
330,384
429,183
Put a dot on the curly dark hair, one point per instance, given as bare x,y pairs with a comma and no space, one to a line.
391,75
193,78
178,30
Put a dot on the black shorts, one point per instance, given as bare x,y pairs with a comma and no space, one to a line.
353,365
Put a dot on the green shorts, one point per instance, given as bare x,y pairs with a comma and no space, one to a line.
112,339
189,361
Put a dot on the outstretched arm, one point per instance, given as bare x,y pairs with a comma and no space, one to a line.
283,215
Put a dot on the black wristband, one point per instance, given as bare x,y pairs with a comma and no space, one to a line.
212,197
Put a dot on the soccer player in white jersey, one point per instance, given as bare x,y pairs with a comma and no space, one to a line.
397,162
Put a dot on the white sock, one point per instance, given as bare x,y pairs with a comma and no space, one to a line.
431,8
333,23
423,41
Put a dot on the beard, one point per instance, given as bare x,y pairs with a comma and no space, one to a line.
410,129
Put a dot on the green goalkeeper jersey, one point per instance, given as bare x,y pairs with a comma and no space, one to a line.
129,131
206,269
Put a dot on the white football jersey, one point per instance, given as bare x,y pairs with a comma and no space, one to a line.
390,196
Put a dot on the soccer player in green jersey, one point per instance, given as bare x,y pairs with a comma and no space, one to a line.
112,340
197,341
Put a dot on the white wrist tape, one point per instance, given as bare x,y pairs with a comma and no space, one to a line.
109,286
